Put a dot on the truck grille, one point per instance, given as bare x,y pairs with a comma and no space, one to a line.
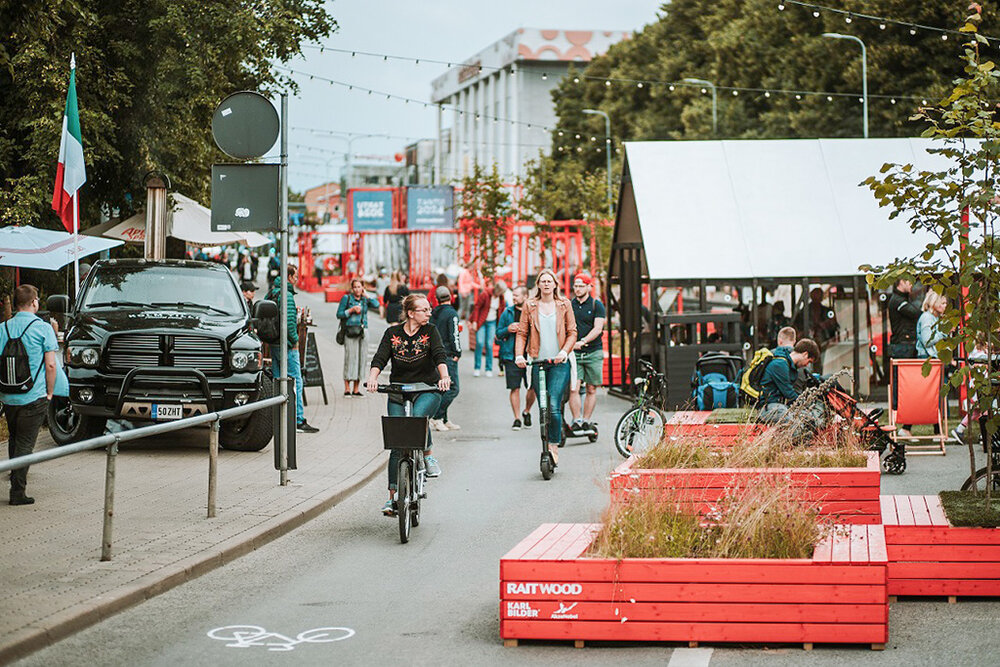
128,351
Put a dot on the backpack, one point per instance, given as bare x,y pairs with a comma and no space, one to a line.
269,328
15,367
751,384
714,381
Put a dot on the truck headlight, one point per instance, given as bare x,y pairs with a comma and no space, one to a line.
88,357
245,360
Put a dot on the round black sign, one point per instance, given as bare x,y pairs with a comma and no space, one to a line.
245,125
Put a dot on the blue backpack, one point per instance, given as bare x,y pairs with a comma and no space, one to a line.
715,381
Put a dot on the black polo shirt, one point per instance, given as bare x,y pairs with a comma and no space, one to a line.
585,314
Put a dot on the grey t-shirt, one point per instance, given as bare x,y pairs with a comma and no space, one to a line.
548,343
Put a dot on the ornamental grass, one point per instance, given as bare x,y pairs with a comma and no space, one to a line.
765,519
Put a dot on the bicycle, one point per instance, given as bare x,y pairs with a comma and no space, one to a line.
409,435
642,425
546,464
978,480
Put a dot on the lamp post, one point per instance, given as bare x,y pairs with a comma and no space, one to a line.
864,73
607,148
715,102
348,137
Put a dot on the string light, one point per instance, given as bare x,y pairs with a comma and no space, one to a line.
882,21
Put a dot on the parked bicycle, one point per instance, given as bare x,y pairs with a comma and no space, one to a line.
408,434
642,425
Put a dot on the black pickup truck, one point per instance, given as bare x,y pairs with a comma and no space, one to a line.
156,340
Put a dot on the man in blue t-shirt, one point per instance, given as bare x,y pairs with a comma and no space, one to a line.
25,412
590,316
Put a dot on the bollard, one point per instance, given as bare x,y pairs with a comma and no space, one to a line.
213,466
109,500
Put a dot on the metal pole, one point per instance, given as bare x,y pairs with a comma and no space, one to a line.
864,74
109,501
715,101
213,466
856,323
283,381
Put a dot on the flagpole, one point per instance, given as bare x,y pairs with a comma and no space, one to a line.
76,244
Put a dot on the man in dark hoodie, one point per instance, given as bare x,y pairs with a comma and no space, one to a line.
778,383
445,318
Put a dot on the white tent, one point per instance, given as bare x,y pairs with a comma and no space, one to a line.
764,209
186,220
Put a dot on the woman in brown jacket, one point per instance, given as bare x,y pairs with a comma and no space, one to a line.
547,332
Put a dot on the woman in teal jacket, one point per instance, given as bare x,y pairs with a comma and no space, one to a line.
353,314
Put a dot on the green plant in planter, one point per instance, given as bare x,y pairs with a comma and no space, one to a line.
957,207
763,519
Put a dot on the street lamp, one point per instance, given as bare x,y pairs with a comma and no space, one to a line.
715,103
349,137
607,147
864,72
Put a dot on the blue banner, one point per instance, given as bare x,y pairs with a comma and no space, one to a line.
430,207
371,210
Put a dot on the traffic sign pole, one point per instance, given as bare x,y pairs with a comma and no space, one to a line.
283,235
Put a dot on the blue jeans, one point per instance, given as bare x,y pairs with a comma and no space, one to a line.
452,393
294,372
556,381
424,405
484,344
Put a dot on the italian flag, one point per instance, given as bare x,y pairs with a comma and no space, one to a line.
71,172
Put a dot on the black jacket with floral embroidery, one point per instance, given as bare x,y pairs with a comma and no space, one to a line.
414,358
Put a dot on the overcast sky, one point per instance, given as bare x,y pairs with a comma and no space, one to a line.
451,30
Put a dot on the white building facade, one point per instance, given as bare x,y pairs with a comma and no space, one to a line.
496,107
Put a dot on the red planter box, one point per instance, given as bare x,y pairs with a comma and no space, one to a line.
694,423
847,495
929,556
549,591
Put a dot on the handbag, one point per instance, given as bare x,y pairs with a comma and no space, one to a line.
354,331
341,332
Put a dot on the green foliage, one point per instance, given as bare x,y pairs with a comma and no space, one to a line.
550,193
963,260
750,44
485,204
149,75
965,508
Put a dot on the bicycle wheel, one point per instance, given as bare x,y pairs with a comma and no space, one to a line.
404,491
979,481
638,430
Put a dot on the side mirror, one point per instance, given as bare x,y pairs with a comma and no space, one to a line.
264,310
57,303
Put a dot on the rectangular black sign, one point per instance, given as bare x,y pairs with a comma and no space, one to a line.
245,197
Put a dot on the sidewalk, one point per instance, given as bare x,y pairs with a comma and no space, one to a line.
54,582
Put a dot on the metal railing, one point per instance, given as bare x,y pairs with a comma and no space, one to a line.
112,440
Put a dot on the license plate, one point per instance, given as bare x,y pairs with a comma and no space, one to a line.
167,411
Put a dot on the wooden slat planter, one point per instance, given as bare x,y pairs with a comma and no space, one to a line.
550,591
929,556
846,495
693,423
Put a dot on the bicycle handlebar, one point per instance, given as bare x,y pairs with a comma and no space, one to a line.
409,388
542,362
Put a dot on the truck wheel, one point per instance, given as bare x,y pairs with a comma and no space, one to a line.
250,434
67,425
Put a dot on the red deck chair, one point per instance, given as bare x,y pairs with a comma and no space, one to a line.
915,399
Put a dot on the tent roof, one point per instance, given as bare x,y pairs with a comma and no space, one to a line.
764,208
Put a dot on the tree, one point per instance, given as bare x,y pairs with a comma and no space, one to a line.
549,193
149,75
485,206
957,206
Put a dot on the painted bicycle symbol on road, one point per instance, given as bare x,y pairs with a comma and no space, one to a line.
245,636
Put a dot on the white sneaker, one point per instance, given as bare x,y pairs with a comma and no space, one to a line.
438,425
489,374
452,426
475,373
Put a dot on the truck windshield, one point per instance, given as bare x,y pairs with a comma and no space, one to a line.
162,286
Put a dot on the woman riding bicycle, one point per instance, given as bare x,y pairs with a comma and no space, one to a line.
548,332
417,355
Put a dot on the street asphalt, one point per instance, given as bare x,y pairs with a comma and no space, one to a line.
435,600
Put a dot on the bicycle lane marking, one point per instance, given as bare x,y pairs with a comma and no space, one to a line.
245,636
690,657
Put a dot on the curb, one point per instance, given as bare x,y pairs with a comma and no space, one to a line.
148,586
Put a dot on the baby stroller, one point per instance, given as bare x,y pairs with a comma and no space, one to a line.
715,381
877,437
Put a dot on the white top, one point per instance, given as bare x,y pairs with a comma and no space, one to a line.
494,307
548,342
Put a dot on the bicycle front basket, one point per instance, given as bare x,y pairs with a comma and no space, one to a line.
405,432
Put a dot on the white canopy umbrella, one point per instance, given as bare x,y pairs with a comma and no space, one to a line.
32,248
186,220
